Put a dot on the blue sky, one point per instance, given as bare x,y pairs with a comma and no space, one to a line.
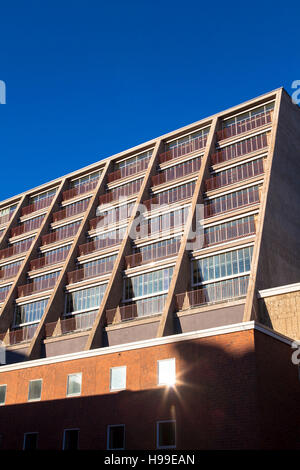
89,79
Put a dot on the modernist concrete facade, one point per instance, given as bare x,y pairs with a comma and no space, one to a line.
81,270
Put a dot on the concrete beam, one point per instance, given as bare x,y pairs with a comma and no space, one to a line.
113,293
55,306
181,274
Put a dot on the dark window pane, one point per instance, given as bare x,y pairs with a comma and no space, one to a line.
71,439
2,394
35,390
116,437
166,434
30,441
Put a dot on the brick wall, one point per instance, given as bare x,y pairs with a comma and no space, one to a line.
281,312
218,399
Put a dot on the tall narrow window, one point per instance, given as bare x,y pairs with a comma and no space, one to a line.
166,434
2,394
74,384
35,390
30,441
117,378
166,372
116,437
71,437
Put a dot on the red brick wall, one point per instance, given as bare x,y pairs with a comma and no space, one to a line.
215,401
278,393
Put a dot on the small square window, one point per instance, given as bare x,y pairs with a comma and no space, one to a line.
118,378
166,434
35,390
166,372
116,437
30,441
74,384
71,439
2,394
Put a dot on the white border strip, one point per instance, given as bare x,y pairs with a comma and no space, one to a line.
243,326
279,290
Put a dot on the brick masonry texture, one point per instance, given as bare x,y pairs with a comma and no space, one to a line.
237,390
282,313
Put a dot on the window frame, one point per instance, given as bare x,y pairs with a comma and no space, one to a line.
5,394
164,384
64,437
158,434
30,433
110,378
78,394
109,426
34,399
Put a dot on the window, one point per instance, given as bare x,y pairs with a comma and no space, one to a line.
76,207
175,194
70,441
30,441
44,282
74,384
10,270
22,245
229,230
134,161
199,135
109,237
67,230
33,223
84,300
231,201
99,266
2,394
117,378
41,196
3,293
116,437
248,114
160,249
173,219
56,255
166,434
7,210
166,372
35,390
148,283
30,312
114,215
127,189
150,306
85,179
182,169
222,265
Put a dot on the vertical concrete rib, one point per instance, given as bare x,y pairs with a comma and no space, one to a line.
8,306
12,222
251,307
114,289
181,275
55,304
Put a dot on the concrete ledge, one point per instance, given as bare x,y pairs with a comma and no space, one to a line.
278,290
243,326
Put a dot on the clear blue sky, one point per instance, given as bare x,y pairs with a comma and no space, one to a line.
87,79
